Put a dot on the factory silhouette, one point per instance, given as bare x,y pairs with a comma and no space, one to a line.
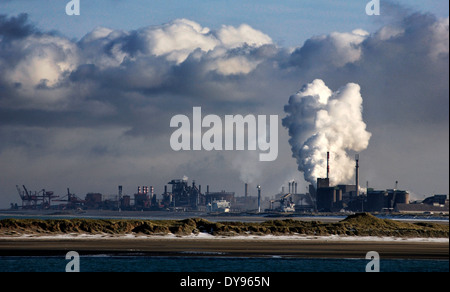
185,196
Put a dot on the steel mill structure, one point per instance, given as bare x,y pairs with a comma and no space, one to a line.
185,196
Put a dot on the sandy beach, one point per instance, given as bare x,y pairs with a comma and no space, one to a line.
236,247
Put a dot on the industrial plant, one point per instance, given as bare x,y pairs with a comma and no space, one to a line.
184,196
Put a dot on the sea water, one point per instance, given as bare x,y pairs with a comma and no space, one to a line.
193,264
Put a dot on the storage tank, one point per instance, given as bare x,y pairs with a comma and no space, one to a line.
376,200
402,197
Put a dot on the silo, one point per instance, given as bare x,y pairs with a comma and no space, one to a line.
376,200
402,197
325,199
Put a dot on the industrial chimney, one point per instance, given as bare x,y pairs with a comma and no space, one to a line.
259,198
246,190
357,174
328,164
120,198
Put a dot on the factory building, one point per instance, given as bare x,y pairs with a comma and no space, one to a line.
348,191
144,199
93,201
247,202
221,206
322,197
378,201
437,204
291,200
184,195
337,198
329,199
220,196
125,202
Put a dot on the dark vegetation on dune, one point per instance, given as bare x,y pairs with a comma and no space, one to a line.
362,224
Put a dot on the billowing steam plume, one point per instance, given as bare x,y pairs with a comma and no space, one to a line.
321,121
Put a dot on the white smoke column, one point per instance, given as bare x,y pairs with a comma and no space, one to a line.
321,121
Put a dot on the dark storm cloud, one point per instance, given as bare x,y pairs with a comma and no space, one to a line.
16,26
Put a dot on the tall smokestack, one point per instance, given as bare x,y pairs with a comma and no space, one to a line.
328,164
119,202
357,174
259,198
246,190
289,187
295,188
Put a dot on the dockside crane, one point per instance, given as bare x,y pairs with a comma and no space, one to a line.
46,198
35,200
73,202
29,201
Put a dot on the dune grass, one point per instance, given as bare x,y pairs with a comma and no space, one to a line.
362,224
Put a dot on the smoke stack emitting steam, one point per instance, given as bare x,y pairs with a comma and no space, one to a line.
328,164
357,174
321,121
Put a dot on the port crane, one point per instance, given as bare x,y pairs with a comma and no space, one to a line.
35,200
73,202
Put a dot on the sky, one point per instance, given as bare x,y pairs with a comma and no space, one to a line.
288,22
86,101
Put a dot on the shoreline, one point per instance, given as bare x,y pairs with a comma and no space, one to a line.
207,236
224,247
242,217
352,237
